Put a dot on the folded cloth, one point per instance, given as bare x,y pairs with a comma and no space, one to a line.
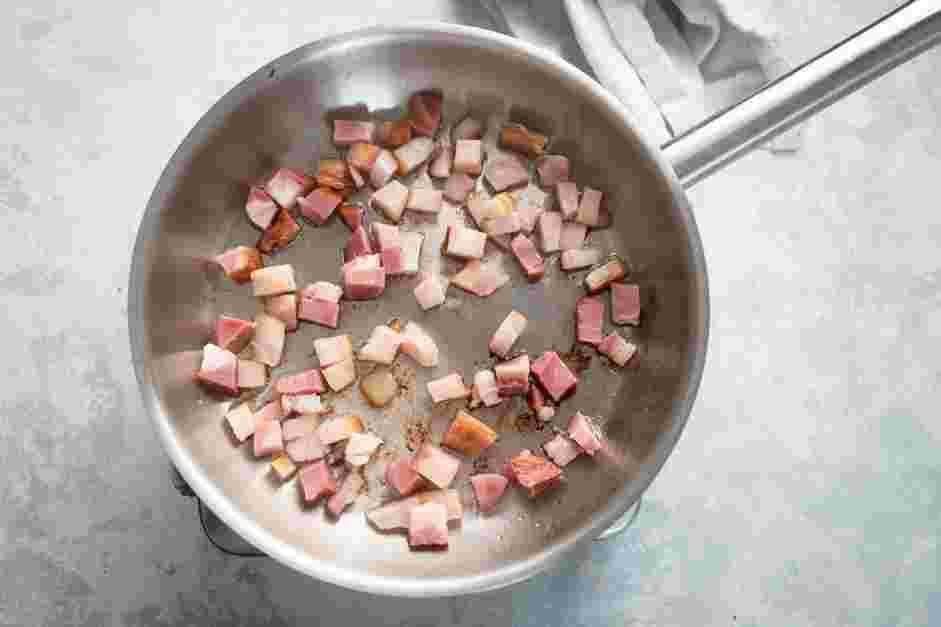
671,62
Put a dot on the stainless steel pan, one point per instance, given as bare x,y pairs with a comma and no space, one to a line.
276,116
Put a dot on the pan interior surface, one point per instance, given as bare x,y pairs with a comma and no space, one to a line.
280,117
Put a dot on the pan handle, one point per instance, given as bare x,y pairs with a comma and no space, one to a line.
906,32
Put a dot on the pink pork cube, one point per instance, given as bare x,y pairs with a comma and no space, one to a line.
553,169
348,132
458,186
566,193
364,278
272,411
562,450
268,438
316,481
550,231
506,171
286,186
436,465
260,207
352,485
359,244
617,349
554,376
233,334
589,320
284,308
536,400
306,382
242,422
488,488
430,292
320,204
528,257
584,432
589,208
390,247
572,235
428,526
402,476
448,388
320,303
513,376
219,370
307,448
625,304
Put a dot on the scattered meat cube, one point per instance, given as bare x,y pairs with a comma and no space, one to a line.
350,488
252,374
465,243
295,428
359,245
268,440
364,278
488,489
305,382
395,515
319,205
413,154
394,134
507,333
352,216
502,225
233,334
579,258
379,387
268,341
528,257
436,465
457,188
468,156
242,422
390,247
505,172
430,292
519,138
448,388
284,308
382,346
554,376
320,304
331,350
538,405
316,481
562,450
425,111
283,467
363,156
307,448
589,208
485,388
279,233
304,404
468,128
347,132
401,475
334,174
585,433
534,472
553,169
391,200
260,207
513,376
419,345
286,186
600,278
550,231
566,193
339,429
358,181
468,435
531,202
273,280
340,375
625,304
412,242
219,370
360,448
238,263
617,349
572,235
481,280
383,169
424,199
589,320
271,411
441,163
428,526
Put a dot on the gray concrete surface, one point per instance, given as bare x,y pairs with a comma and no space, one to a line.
806,490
